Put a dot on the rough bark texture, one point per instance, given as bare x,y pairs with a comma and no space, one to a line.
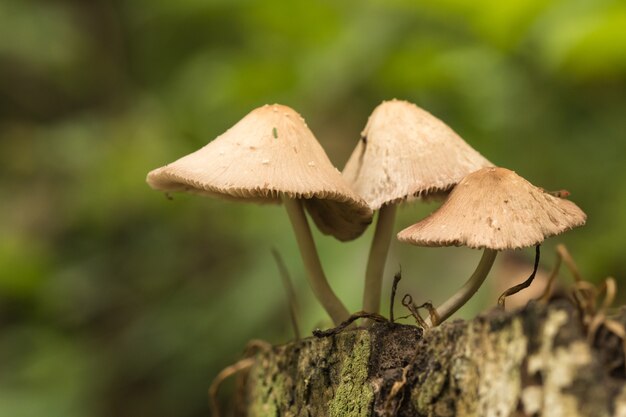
533,362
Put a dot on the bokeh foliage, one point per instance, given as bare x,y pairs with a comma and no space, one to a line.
116,301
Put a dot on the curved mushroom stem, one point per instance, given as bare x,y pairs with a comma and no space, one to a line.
317,279
377,258
457,301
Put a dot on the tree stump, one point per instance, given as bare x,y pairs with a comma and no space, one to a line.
537,361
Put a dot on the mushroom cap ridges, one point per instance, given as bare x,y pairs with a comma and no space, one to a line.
497,209
270,153
407,152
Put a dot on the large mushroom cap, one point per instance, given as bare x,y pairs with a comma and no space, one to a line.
406,152
269,153
497,209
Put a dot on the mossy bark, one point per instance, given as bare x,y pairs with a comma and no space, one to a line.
533,362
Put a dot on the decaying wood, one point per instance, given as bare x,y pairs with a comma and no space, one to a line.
534,362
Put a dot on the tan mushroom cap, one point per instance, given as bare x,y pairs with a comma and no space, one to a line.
407,152
497,209
269,153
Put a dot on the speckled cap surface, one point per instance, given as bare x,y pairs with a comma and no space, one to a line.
405,152
268,154
497,209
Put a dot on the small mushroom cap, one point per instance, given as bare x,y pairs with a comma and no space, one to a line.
406,152
269,153
497,209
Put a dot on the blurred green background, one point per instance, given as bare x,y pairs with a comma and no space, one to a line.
116,301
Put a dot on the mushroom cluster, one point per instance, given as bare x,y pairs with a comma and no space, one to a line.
404,153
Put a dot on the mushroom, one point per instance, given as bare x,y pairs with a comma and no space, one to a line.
271,156
493,209
404,152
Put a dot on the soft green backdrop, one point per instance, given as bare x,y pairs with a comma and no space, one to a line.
116,301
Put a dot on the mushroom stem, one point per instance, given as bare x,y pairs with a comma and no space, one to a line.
466,292
377,258
317,279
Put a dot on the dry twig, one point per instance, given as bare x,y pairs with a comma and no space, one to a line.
289,289
517,288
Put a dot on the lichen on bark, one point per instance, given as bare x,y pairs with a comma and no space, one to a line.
532,362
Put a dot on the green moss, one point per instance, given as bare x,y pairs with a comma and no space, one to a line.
260,405
267,392
424,395
354,394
